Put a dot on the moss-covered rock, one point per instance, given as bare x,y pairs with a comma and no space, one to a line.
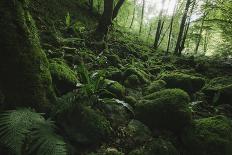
108,151
113,60
138,133
132,81
156,147
115,88
167,109
113,109
25,77
188,83
219,90
155,86
209,136
131,100
64,79
114,73
84,125
136,75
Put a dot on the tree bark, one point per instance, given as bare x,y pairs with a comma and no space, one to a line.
25,78
133,17
182,28
106,19
142,16
117,8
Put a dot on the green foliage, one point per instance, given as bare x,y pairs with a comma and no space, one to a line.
91,84
68,20
26,132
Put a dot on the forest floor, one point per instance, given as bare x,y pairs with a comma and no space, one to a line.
123,97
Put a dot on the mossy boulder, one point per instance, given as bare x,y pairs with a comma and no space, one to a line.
84,125
131,75
167,109
114,73
156,147
64,79
115,88
137,133
25,76
219,90
113,60
189,83
108,151
115,111
155,86
209,136
132,81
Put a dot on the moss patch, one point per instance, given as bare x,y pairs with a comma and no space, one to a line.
25,77
219,90
167,109
209,136
64,79
188,83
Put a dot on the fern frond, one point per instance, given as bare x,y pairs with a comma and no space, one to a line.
14,126
24,130
45,141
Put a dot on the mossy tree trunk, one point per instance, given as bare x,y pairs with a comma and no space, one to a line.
24,73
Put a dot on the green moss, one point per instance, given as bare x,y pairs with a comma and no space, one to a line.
25,77
114,73
64,79
155,86
114,60
167,109
142,76
115,88
188,83
156,147
132,81
219,90
108,151
209,136
131,100
84,125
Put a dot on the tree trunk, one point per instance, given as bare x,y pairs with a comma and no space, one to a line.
200,33
133,17
142,16
117,8
25,78
106,19
182,28
159,26
91,5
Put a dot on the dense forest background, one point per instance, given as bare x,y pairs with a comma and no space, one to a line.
116,77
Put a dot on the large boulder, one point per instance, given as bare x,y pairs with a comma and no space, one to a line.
134,77
188,83
116,111
167,109
219,91
156,147
84,125
113,89
64,79
209,136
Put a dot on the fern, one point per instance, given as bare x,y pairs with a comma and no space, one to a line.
24,130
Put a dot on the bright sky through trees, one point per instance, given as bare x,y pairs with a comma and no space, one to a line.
153,7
